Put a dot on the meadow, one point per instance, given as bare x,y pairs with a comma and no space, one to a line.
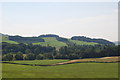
76,70
6,39
82,42
51,41
42,62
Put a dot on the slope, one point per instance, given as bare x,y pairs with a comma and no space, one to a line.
51,41
5,38
82,42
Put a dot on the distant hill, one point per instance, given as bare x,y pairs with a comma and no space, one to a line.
54,40
87,39
51,41
26,39
117,42
5,38
49,35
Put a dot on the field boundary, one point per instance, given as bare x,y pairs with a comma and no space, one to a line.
57,63
89,60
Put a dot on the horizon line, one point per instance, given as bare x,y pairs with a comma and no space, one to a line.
57,35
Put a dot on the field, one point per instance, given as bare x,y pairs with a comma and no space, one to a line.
82,42
51,41
6,39
76,70
55,43
42,62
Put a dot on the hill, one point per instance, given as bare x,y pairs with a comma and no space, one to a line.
54,40
77,42
87,39
117,42
5,38
26,39
51,41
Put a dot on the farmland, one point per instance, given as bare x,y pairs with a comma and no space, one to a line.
42,62
82,42
5,38
76,70
51,41
79,70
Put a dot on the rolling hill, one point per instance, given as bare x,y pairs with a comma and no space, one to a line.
5,38
53,40
77,42
117,42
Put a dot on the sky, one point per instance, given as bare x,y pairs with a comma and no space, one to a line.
66,19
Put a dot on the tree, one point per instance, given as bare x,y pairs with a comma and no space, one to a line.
54,53
37,50
63,50
27,51
73,56
7,57
30,56
48,56
40,57
19,56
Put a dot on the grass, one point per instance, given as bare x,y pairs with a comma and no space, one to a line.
43,62
0,70
51,41
6,39
12,42
103,59
55,43
82,42
77,70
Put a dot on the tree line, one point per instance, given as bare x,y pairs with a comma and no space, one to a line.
87,39
23,51
27,40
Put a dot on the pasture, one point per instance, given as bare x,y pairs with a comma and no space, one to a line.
6,39
76,70
51,41
82,42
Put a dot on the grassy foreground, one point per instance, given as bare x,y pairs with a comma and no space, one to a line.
77,70
42,62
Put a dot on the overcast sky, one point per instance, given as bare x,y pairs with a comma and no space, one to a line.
66,19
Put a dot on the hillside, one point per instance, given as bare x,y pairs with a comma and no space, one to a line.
117,42
87,39
5,38
51,41
54,40
77,42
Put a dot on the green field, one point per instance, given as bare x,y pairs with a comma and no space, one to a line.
55,43
82,42
77,70
42,62
51,41
6,39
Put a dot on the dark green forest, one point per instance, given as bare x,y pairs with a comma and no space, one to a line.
29,40
26,39
23,51
26,50
100,41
